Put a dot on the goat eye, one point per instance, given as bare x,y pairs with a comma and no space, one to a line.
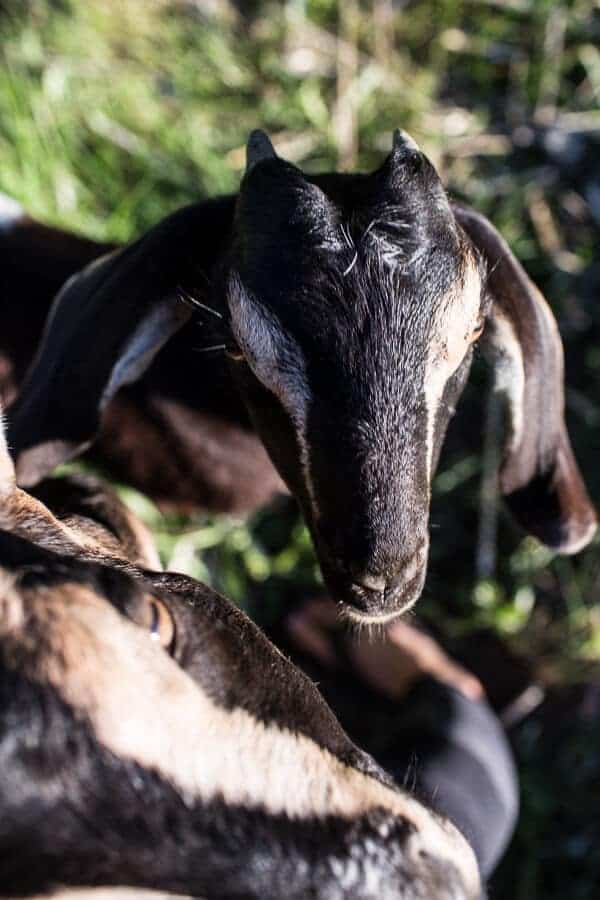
152,614
235,354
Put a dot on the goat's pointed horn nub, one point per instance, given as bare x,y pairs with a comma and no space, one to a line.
404,142
259,148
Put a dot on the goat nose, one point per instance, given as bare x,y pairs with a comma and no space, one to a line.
373,583
392,583
409,572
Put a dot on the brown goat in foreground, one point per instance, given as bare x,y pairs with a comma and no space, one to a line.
152,737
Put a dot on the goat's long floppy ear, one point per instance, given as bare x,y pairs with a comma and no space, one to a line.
539,475
105,328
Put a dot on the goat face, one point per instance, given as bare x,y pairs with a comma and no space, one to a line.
350,304
354,313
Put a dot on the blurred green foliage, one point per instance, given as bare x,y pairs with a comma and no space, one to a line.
115,112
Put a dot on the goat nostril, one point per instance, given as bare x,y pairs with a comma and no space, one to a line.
374,583
396,583
409,571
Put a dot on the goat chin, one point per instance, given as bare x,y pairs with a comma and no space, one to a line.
117,893
360,620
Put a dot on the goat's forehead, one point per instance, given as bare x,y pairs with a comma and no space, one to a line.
374,313
367,343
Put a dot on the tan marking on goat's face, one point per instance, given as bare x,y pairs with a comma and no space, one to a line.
7,469
456,327
504,348
142,706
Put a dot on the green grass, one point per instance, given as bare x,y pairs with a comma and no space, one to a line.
115,112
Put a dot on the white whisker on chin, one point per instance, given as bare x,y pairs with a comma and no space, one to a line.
366,621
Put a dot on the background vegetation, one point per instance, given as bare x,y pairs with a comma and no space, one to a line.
115,112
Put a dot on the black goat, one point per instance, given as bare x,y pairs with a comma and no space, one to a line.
348,307
152,737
